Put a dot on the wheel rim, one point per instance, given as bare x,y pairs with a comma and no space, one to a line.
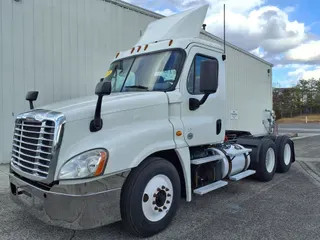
157,198
270,160
287,154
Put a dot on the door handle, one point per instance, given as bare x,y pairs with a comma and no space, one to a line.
218,126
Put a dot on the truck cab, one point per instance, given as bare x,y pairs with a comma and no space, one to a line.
153,133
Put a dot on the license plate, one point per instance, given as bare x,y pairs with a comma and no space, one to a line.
25,197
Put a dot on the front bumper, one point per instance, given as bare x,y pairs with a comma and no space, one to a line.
78,206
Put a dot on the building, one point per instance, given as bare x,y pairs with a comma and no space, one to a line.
62,48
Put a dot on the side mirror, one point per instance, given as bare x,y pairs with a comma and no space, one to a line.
32,96
209,72
102,89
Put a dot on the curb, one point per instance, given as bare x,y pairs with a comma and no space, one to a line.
302,137
295,136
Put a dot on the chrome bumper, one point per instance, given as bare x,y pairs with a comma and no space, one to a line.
78,206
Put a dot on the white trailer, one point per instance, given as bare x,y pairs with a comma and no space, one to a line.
154,133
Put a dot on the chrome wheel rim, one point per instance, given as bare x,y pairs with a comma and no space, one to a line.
157,198
287,154
270,160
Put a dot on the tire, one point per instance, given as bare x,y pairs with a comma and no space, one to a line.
147,209
265,168
284,154
272,137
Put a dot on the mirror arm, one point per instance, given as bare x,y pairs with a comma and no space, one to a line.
204,98
97,123
194,103
31,104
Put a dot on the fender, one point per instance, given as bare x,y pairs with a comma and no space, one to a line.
184,157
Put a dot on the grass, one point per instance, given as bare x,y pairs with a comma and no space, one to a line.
315,118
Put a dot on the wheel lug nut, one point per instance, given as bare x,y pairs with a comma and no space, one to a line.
158,189
164,207
154,195
154,203
156,208
160,210
163,187
167,189
168,202
169,195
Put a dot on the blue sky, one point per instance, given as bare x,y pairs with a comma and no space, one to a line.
285,33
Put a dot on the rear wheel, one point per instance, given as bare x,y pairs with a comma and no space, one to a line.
284,153
266,166
150,197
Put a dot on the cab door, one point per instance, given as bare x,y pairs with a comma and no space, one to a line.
206,124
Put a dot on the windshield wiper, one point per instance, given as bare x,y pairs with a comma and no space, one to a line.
137,86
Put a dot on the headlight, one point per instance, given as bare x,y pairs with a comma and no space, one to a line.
87,164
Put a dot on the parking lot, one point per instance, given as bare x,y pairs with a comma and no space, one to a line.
285,208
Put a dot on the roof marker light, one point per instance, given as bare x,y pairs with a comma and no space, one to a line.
132,50
170,43
117,54
139,49
146,47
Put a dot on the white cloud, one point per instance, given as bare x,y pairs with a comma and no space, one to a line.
296,72
289,9
267,27
305,72
308,53
312,74
165,12
258,52
216,5
262,29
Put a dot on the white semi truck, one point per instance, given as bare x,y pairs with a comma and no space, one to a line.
154,134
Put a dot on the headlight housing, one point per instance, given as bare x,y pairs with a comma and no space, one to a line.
87,164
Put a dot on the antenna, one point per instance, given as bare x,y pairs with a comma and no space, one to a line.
224,56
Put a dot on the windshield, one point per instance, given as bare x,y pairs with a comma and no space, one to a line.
151,72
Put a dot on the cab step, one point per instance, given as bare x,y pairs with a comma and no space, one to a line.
211,187
242,175
200,161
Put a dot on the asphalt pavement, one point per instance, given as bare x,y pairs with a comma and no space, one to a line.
285,208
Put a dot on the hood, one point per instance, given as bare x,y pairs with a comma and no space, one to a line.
82,108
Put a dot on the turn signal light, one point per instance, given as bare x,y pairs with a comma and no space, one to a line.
179,133
102,163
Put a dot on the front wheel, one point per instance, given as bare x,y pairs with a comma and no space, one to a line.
150,197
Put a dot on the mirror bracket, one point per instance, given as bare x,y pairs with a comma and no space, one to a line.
96,124
194,103
102,89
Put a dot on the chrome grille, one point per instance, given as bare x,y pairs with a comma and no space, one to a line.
33,146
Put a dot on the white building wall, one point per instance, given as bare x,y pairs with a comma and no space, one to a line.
63,47
60,48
